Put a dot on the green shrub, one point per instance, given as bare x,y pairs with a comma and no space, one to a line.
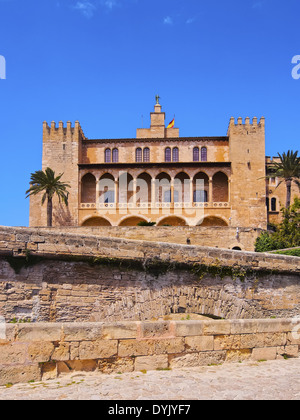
287,234
146,223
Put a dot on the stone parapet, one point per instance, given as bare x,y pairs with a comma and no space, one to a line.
31,352
17,241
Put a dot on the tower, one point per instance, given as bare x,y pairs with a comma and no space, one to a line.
61,152
157,127
248,186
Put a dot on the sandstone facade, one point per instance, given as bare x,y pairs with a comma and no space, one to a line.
162,177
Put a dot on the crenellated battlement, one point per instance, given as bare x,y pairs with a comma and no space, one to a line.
246,124
54,132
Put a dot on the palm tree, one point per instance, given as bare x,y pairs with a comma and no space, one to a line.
288,171
47,182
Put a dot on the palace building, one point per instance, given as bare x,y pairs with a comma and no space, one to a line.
161,177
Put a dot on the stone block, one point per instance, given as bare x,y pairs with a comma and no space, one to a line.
276,339
197,344
40,351
120,330
188,328
216,327
151,362
136,348
62,352
101,349
239,355
288,351
241,326
114,365
227,342
13,353
273,325
87,331
76,366
267,353
197,359
154,329
169,346
37,238
39,332
19,374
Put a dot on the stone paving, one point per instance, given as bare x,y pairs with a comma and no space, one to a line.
269,380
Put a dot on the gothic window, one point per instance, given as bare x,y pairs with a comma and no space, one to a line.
138,155
204,154
107,156
115,155
175,154
168,154
196,154
146,153
88,189
273,204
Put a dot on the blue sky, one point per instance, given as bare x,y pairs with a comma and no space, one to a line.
103,61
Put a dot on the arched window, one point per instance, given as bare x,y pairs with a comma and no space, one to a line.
88,189
168,154
146,154
196,154
175,154
273,204
115,155
107,156
139,155
203,154
220,188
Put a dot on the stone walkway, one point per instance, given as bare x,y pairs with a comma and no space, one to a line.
272,380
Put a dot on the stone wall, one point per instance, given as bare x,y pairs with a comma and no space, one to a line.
46,276
218,237
31,352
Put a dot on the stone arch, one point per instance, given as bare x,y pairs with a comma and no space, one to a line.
96,221
201,187
213,221
143,188
163,188
182,188
173,221
125,187
107,188
132,220
88,188
220,188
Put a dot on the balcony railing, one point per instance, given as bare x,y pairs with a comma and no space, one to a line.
157,205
